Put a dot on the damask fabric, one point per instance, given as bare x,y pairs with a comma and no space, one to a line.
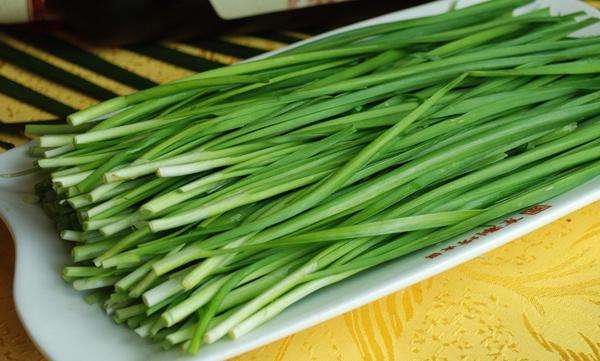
537,298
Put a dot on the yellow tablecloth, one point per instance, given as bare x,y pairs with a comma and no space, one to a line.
537,298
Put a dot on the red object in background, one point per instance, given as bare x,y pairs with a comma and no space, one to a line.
129,21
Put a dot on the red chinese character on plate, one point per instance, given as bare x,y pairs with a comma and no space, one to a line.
512,220
538,208
468,240
433,255
449,248
489,230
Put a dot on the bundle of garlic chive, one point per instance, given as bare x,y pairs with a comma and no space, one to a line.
204,207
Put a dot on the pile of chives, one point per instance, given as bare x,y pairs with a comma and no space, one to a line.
204,207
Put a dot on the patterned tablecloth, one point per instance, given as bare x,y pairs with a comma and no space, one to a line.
537,298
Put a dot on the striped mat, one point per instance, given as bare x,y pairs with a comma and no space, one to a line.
43,78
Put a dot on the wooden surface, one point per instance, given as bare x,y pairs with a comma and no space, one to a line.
537,298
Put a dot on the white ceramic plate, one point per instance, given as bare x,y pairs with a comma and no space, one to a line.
67,329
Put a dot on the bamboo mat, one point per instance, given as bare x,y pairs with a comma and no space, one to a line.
537,298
